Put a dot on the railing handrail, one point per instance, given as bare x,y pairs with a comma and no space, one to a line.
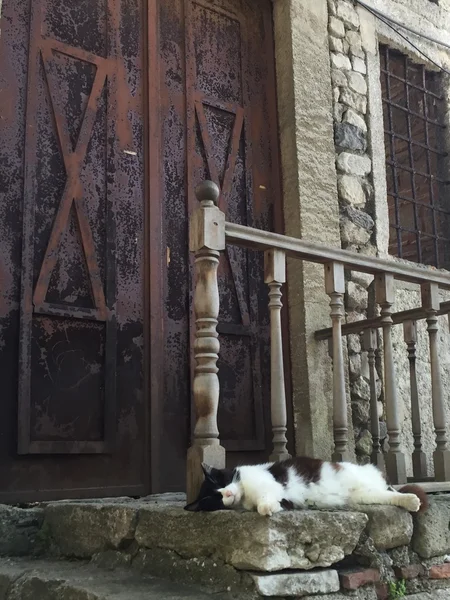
209,233
412,314
258,239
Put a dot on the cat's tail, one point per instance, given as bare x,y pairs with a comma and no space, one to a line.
419,492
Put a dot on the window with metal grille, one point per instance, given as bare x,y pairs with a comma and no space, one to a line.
419,209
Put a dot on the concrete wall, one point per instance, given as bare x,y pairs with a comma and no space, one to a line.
332,141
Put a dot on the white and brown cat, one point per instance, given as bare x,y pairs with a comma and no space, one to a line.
300,483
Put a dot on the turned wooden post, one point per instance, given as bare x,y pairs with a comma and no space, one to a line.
335,288
394,459
418,457
275,276
206,240
370,346
441,456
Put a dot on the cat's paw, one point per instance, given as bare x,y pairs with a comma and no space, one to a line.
269,508
411,502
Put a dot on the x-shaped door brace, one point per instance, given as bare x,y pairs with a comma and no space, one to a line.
73,191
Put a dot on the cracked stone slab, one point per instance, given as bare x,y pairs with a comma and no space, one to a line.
301,539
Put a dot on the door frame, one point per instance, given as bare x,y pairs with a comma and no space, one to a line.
153,251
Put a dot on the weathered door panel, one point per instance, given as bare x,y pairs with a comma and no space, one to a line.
72,218
219,122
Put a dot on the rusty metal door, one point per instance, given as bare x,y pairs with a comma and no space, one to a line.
72,249
218,122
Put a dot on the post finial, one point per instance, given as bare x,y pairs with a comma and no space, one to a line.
207,190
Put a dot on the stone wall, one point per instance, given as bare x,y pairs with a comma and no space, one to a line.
354,35
354,167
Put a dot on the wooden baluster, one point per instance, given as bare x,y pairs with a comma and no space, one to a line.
275,276
206,239
419,457
370,346
441,456
394,459
335,288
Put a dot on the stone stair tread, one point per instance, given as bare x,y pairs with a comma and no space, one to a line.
25,579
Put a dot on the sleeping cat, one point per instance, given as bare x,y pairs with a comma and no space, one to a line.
298,483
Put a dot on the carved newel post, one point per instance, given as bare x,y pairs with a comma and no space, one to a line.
206,240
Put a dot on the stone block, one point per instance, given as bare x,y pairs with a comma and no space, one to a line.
357,298
338,78
351,190
354,100
82,530
366,593
336,44
338,111
301,539
349,137
336,27
331,7
20,530
348,14
354,118
359,65
354,40
353,164
357,82
389,526
409,571
360,413
352,234
297,584
431,530
356,578
363,445
439,571
340,61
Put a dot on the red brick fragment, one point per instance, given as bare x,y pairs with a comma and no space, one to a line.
408,571
440,571
354,579
382,591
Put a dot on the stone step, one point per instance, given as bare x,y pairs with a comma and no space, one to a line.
25,579
227,552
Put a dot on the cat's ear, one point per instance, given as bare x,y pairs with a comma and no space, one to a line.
193,506
207,470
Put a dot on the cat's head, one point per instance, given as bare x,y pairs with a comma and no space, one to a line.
209,498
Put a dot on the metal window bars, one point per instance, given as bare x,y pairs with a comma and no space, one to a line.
419,212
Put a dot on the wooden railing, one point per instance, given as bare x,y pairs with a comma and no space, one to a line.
209,233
